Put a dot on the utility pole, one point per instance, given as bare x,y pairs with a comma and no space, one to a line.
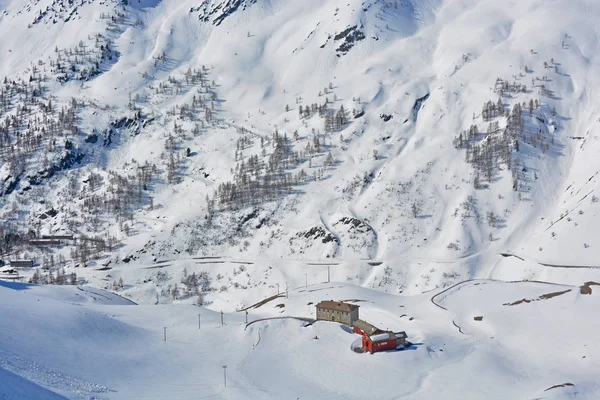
222,323
199,315
165,328
225,375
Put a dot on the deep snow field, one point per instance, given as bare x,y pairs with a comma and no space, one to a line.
97,346
434,160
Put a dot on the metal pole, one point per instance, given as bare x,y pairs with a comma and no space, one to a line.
225,375
246,316
328,274
199,315
165,328
222,323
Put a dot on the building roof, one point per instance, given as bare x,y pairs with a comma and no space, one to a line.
337,306
366,327
380,337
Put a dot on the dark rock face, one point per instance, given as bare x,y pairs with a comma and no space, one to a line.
354,225
348,38
317,232
220,11
417,106
70,158
93,138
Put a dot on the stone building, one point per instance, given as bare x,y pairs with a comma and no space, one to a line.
337,311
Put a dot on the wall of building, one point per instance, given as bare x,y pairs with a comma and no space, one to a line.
381,346
347,318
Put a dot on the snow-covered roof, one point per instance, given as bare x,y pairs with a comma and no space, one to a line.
380,337
366,327
388,336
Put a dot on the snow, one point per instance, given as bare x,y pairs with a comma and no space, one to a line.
395,224
422,53
15,387
117,351
380,337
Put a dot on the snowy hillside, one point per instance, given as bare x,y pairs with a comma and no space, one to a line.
178,153
525,346
421,135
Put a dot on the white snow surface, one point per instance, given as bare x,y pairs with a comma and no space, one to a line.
380,337
451,51
394,223
112,351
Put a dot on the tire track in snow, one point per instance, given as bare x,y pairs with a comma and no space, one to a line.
445,291
551,265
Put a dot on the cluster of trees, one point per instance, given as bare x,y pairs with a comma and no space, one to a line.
121,195
202,105
30,124
359,182
32,128
118,285
195,283
257,180
335,120
65,10
61,278
492,110
10,235
191,78
82,62
90,248
51,262
37,134
488,150
502,87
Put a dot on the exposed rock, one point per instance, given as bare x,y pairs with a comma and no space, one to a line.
348,37
318,232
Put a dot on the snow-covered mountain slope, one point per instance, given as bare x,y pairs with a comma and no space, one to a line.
530,340
400,145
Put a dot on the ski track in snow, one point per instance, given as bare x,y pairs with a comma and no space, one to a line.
51,379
